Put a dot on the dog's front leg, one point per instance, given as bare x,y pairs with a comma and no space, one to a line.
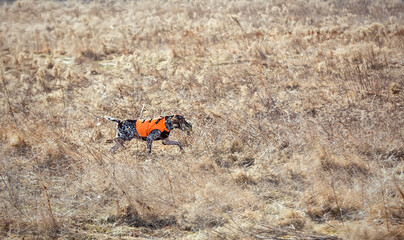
151,137
167,141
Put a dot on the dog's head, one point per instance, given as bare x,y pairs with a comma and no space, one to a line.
179,121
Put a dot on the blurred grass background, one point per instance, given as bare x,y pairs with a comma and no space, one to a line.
297,108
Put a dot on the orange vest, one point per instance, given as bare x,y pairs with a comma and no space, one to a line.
146,126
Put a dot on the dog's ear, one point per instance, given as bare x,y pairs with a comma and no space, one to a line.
177,119
178,116
174,119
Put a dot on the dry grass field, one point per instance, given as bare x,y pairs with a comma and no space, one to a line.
297,108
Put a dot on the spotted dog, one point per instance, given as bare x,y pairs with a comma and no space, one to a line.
149,130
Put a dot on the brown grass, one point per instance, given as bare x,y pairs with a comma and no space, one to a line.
297,110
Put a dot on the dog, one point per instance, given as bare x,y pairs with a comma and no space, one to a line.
149,130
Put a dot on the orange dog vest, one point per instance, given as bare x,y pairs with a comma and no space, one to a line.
146,126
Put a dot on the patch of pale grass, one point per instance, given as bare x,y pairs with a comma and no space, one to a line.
297,119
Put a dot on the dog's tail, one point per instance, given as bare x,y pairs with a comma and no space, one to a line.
113,119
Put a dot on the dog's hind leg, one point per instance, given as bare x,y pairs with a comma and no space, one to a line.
118,143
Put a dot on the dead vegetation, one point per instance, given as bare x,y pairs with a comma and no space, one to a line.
297,108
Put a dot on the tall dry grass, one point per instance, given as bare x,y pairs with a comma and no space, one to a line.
297,119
